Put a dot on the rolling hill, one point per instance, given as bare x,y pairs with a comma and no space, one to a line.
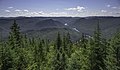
51,33
49,23
48,27
108,25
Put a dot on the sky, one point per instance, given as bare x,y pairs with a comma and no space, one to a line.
59,8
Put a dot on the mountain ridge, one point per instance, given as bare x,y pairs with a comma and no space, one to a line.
86,25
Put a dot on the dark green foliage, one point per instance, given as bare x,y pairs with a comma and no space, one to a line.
115,44
95,53
110,60
6,58
15,36
58,55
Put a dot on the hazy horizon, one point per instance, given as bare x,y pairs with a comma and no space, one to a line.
59,8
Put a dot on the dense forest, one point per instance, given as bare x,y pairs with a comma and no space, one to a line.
19,52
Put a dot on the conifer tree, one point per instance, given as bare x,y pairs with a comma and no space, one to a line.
15,36
97,56
115,43
110,60
80,58
5,57
83,42
38,54
23,53
17,49
68,45
60,55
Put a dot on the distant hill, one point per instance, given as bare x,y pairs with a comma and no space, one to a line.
49,23
108,25
51,33
48,27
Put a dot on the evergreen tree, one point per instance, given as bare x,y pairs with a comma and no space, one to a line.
83,41
17,50
80,58
97,56
110,60
23,53
15,36
58,46
115,43
68,44
5,57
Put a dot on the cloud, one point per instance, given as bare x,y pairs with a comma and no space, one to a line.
73,9
41,13
51,14
78,8
7,11
58,13
35,13
10,7
108,5
17,10
25,10
114,7
104,11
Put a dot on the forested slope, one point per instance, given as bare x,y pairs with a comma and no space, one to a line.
20,52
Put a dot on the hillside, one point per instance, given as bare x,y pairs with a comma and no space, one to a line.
49,23
48,27
108,25
51,33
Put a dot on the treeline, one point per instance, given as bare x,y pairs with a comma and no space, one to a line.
95,53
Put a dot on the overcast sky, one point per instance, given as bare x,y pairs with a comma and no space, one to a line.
74,8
